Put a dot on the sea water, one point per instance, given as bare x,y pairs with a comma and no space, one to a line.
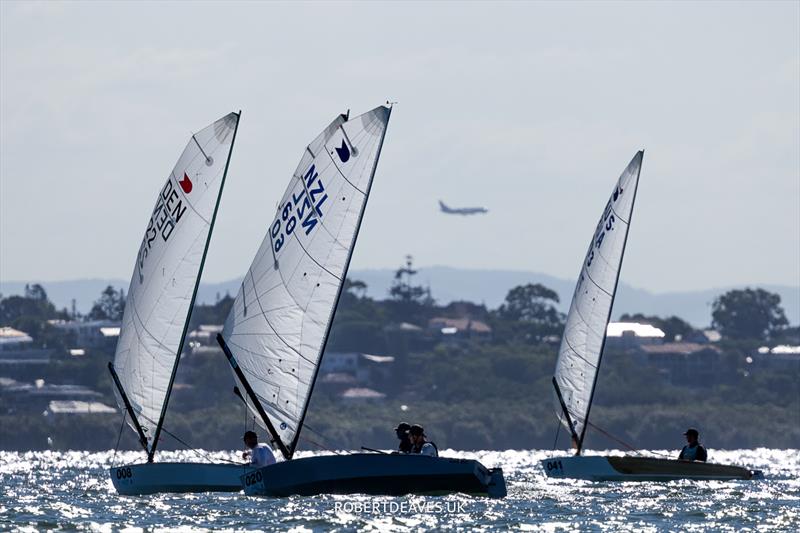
72,491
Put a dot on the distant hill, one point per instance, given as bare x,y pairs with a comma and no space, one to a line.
448,284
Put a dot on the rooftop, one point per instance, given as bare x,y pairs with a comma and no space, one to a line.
75,407
620,329
13,336
362,393
681,348
461,324
783,349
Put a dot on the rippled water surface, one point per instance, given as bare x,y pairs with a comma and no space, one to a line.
71,490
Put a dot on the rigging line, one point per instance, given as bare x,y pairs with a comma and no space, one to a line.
321,446
119,437
201,149
558,431
610,436
191,448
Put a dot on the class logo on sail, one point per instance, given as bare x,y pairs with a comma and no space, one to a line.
186,184
343,152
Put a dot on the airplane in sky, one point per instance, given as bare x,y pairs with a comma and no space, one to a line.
461,210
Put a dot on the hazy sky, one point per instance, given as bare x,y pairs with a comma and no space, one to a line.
531,110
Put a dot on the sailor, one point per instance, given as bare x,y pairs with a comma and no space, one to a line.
260,454
405,441
420,442
694,451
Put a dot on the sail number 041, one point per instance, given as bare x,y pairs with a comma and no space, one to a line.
554,465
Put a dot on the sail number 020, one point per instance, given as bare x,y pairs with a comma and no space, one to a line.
252,479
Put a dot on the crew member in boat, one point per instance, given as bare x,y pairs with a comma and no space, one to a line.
420,442
693,451
401,430
260,454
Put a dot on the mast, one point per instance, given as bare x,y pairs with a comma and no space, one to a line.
296,437
128,406
160,423
608,317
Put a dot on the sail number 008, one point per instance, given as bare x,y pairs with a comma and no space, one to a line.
124,473
252,479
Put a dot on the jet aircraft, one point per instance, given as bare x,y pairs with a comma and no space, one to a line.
461,210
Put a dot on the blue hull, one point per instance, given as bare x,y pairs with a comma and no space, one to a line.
375,474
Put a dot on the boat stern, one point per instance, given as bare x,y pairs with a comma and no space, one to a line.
496,487
253,483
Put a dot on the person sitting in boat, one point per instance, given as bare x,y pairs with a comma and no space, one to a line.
420,442
694,451
260,454
405,440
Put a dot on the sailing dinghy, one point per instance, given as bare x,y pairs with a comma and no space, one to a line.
581,350
276,332
160,297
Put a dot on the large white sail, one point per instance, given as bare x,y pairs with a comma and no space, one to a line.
280,319
585,329
167,271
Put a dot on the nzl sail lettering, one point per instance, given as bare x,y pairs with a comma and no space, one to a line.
304,207
166,215
605,225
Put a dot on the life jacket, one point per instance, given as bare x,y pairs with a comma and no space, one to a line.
418,449
689,453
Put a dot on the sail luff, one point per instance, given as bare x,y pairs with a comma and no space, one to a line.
611,307
584,334
293,445
160,423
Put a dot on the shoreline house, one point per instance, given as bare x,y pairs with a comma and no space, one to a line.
455,329
632,335
684,363
17,348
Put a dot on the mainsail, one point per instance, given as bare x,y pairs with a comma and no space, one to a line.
585,330
166,275
276,331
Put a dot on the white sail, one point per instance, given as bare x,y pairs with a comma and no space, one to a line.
585,329
280,319
167,271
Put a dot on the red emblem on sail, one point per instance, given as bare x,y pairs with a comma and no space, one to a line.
186,184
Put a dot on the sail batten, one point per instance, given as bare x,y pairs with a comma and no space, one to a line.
582,344
280,320
166,274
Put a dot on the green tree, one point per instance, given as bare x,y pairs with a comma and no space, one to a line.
110,305
34,306
403,290
532,306
748,314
